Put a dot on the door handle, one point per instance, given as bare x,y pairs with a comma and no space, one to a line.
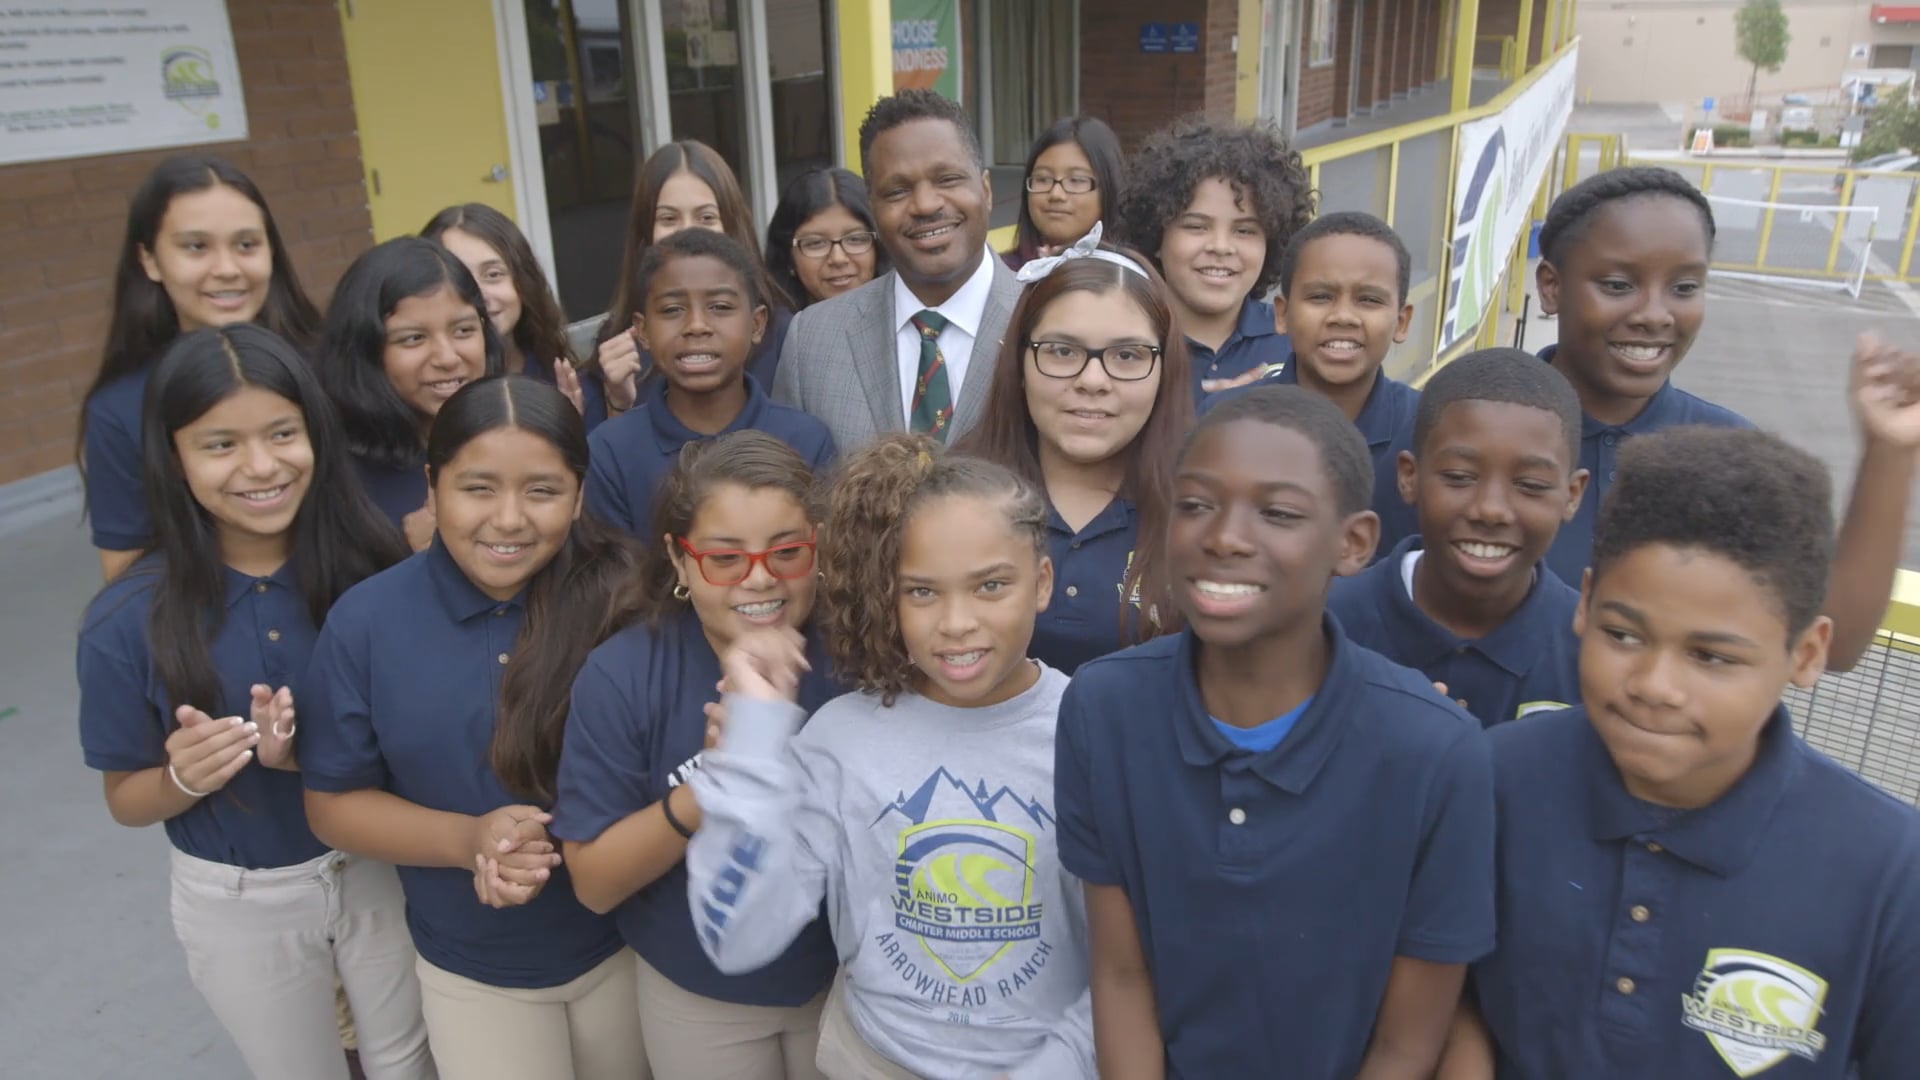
495,175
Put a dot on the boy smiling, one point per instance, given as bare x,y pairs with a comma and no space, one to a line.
1492,475
1686,888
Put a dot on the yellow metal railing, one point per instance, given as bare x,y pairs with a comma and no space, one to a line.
1420,206
1510,62
1815,192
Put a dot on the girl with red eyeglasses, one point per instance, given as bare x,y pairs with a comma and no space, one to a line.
737,555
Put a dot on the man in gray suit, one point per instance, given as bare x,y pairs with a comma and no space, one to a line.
913,349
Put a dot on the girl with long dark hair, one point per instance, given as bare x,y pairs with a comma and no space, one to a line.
441,691
406,329
192,665
822,240
520,303
1089,403
201,249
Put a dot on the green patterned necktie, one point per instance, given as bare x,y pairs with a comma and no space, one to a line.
932,404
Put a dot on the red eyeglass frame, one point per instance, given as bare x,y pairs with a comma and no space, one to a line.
761,557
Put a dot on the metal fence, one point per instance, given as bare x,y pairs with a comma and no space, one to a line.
1869,718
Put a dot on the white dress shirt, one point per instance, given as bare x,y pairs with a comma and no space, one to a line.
963,312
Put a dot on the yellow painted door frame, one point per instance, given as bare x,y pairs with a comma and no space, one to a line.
865,66
432,122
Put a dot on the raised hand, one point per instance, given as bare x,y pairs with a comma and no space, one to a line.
766,664
273,720
204,753
619,360
568,380
1885,388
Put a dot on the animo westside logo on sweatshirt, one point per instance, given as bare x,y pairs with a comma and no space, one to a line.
964,890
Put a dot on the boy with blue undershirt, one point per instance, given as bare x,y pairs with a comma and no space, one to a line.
1686,888
703,313
1285,840
1343,305
1492,476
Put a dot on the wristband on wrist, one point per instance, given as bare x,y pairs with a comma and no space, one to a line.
666,807
184,789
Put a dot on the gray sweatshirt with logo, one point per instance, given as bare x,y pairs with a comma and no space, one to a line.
929,830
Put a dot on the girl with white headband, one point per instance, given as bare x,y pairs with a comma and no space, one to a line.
1089,403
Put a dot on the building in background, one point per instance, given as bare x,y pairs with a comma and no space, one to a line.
367,117
1681,52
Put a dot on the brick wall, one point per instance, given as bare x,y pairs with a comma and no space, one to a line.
1498,18
1316,102
1343,60
1373,47
1137,93
61,222
1216,44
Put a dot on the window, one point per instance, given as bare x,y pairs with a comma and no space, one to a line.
1892,56
1320,32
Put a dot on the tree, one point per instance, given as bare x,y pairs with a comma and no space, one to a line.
1760,38
1894,124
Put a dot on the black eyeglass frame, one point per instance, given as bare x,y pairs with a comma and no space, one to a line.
1063,182
1090,355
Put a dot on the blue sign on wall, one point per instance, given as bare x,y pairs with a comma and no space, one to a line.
1707,106
1186,37
1153,37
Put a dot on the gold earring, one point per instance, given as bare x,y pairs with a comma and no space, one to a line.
680,592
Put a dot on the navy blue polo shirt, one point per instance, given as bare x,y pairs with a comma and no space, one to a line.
1600,443
266,636
1089,570
1253,343
635,732
396,491
406,680
1531,663
116,499
1773,933
632,453
1273,891
593,395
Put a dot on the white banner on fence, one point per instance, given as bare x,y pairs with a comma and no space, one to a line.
1502,160
78,80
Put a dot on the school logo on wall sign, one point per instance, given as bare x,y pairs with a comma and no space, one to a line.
1756,1009
186,77
964,889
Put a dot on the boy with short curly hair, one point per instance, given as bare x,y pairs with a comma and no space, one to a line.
1213,206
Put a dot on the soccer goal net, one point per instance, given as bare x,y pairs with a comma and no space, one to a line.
1806,243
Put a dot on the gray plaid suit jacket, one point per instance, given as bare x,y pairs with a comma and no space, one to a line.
840,362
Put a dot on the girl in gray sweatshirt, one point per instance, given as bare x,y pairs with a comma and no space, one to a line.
920,807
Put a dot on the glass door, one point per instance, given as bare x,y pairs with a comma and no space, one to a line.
706,80
799,64
586,108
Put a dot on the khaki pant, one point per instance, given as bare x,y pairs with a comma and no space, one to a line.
690,1037
587,1029
264,947
844,1055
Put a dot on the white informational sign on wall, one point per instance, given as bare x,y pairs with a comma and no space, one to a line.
1502,160
80,79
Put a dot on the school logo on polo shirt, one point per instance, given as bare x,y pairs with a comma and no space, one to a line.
1121,585
964,890
1756,1009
